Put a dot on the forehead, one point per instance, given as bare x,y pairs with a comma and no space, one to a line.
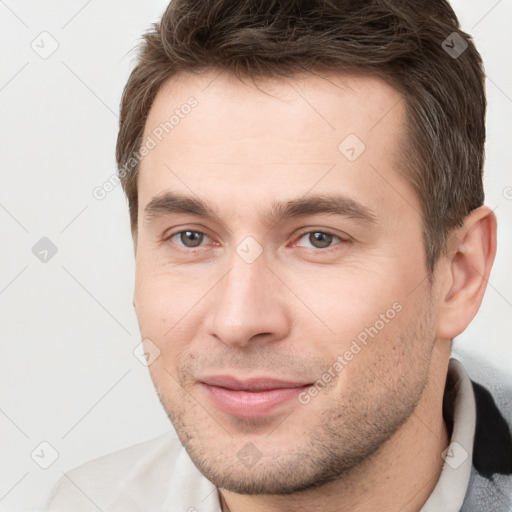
307,109
215,134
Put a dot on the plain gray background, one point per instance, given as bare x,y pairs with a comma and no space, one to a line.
68,373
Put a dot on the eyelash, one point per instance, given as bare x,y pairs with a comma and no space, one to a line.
328,233
307,232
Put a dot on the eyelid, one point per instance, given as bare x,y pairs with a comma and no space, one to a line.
340,237
168,237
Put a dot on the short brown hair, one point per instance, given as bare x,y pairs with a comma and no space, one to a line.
409,43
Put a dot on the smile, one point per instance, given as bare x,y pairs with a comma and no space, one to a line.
250,398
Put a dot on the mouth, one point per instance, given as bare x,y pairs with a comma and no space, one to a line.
250,398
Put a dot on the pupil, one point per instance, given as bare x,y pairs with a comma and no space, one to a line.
320,240
191,238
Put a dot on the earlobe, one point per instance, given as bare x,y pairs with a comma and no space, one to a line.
468,264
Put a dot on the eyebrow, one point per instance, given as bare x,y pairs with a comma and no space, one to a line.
334,204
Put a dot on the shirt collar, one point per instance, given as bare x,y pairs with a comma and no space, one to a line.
460,410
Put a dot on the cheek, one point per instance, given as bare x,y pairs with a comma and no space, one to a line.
164,298
388,358
168,307
343,302
377,329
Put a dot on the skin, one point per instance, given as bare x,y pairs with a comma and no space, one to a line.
372,439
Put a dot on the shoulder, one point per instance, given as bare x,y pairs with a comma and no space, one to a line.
114,481
491,480
496,381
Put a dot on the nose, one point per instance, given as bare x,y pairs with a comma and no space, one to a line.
248,304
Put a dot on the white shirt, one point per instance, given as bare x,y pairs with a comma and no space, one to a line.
159,476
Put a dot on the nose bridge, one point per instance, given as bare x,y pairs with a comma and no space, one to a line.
242,295
247,303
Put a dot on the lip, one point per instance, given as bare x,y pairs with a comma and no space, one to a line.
250,398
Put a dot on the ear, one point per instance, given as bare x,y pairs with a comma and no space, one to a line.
465,272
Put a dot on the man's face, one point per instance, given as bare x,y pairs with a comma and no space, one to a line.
295,333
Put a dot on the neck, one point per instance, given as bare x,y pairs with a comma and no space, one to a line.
400,475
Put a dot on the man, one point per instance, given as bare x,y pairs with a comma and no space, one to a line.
305,191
